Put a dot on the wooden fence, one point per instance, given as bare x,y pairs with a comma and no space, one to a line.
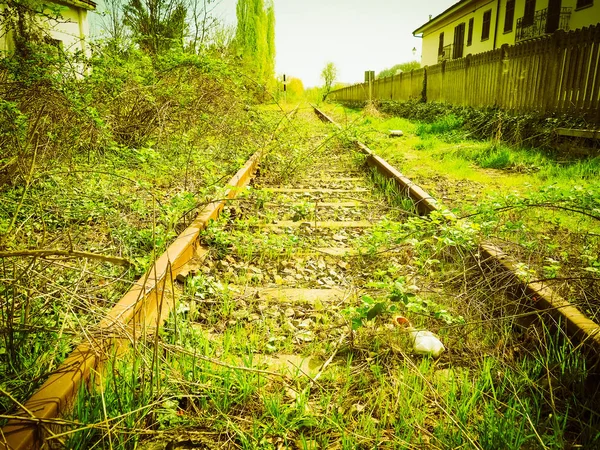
555,74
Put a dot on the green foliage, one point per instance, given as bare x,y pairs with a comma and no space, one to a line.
529,130
442,125
328,75
413,303
255,37
294,90
157,25
112,160
400,298
402,67
270,57
495,158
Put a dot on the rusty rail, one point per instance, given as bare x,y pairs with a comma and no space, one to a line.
534,295
144,305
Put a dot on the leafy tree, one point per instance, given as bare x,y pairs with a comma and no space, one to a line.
255,36
328,75
402,67
296,88
270,59
157,25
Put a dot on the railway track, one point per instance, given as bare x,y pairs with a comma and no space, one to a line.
531,296
287,262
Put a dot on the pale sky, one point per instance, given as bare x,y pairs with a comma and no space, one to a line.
356,35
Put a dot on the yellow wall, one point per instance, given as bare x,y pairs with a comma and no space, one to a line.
579,19
585,16
72,30
509,37
472,10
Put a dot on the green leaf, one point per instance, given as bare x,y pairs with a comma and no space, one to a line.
376,310
367,299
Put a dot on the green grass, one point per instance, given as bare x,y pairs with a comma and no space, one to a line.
444,125
370,396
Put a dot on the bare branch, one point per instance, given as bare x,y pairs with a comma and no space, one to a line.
44,253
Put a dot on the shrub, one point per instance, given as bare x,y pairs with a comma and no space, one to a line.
530,130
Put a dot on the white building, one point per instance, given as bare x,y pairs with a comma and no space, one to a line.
69,32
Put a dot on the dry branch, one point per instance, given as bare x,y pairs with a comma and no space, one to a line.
44,253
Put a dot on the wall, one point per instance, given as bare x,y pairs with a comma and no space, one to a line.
72,29
471,10
582,17
509,37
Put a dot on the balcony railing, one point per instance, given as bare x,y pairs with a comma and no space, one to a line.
445,54
542,24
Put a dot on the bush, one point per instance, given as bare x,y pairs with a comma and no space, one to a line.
530,130
125,99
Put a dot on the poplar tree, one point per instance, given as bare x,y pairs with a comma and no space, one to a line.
255,37
270,60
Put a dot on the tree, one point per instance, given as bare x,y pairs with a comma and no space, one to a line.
255,37
328,75
112,23
202,23
269,71
157,25
402,67
295,88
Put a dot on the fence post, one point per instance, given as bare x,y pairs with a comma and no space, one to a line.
551,79
424,91
466,79
442,79
503,78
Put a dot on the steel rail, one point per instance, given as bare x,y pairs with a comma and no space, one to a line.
531,296
143,307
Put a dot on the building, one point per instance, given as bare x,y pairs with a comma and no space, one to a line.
476,26
69,31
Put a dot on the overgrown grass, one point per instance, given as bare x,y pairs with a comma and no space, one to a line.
501,384
442,125
213,374
169,134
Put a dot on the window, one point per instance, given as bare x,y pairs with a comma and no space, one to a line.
529,13
57,45
470,32
459,41
552,16
441,44
509,16
584,3
487,21
54,42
